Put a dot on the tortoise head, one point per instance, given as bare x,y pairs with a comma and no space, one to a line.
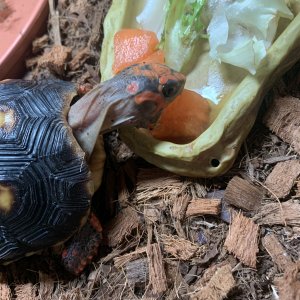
139,93
136,96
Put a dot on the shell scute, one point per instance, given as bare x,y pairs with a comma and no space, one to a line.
44,167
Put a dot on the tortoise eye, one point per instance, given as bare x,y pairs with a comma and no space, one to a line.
170,89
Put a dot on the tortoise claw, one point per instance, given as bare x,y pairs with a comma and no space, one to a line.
82,248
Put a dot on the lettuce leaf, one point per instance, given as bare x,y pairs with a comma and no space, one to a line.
152,17
240,32
183,28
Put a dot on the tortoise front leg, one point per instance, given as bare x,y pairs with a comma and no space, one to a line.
83,246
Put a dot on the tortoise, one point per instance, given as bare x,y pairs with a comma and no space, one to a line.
46,144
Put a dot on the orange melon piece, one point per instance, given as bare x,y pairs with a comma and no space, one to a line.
184,119
156,57
135,45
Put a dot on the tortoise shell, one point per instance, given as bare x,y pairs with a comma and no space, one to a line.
45,189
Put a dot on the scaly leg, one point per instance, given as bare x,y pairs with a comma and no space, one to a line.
83,246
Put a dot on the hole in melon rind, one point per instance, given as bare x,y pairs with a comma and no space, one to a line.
215,162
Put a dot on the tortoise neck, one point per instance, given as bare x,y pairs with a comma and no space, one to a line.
105,108
87,115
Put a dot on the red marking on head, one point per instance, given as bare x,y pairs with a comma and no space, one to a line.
84,89
150,96
132,87
163,79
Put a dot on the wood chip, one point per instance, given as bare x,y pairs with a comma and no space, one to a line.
157,275
180,287
203,207
32,62
283,118
54,21
289,284
219,194
282,178
137,271
278,254
191,275
133,243
152,215
46,287
5,292
157,184
196,188
298,188
178,247
69,294
218,286
277,159
120,261
241,193
179,228
286,213
123,192
225,214
122,225
123,154
180,205
208,274
178,213
242,240
79,59
112,288
56,59
95,37
40,43
25,292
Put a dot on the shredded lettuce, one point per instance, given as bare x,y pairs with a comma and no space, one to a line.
240,32
152,16
183,28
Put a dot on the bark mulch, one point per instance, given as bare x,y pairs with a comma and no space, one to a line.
170,237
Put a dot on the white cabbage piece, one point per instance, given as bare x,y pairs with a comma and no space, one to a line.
179,28
241,31
153,15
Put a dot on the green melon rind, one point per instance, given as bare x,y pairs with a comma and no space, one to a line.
222,140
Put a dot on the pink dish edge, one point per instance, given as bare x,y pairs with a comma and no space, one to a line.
13,60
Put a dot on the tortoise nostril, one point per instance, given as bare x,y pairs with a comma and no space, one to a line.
75,99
